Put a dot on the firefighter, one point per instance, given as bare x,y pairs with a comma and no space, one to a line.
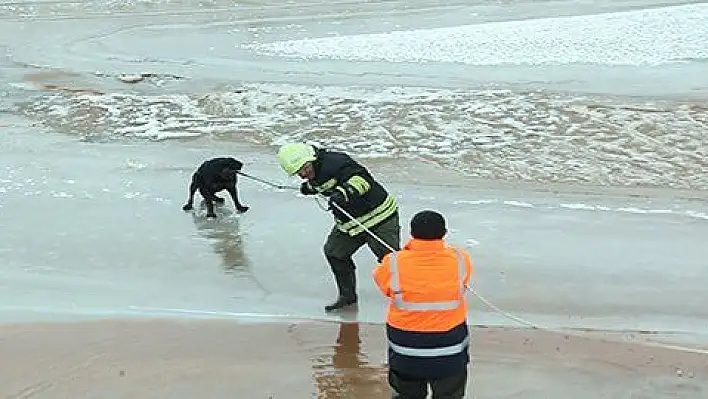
348,185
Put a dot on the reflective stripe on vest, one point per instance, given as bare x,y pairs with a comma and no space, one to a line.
431,352
425,306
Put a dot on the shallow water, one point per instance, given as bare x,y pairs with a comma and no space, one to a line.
602,93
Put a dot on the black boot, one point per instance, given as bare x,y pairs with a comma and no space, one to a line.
346,284
340,303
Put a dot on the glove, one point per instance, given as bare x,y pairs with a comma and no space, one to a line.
338,198
306,189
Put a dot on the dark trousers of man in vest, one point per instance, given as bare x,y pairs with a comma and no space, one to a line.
340,247
404,387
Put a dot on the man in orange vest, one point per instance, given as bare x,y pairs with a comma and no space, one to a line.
426,324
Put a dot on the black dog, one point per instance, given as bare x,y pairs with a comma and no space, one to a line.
213,176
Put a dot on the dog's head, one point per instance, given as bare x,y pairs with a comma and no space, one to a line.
231,168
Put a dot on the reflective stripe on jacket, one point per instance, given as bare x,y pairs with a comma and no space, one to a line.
427,314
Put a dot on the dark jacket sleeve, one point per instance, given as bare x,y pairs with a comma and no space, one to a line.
354,179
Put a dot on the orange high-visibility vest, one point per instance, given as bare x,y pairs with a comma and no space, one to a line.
426,324
426,282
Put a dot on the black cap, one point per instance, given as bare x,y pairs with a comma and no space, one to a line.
428,225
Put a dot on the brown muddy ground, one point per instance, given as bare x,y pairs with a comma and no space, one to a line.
224,359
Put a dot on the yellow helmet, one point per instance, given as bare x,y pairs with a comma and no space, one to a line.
294,156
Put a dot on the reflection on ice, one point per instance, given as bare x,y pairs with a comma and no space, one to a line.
226,239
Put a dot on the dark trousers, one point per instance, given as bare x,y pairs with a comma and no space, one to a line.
452,387
340,247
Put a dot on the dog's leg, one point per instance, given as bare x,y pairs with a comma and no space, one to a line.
234,196
190,199
209,199
214,197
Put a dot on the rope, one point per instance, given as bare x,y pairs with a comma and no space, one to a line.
481,298
266,182
519,319
471,289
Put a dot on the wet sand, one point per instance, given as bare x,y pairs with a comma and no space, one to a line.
226,359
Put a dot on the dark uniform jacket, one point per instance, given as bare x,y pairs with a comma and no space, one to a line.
367,200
